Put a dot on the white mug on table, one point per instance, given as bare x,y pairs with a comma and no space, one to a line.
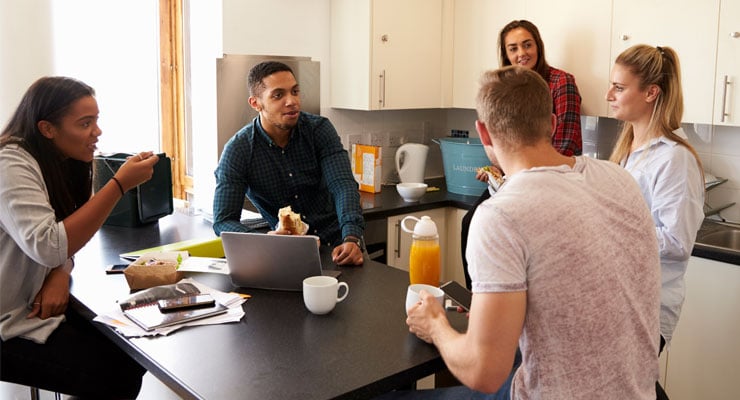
321,293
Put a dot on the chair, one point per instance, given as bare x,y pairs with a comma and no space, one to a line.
660,394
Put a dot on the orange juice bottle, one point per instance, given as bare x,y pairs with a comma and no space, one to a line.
424,258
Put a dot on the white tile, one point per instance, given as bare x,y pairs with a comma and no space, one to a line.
727,167
722,195
706,160
726,140
699,136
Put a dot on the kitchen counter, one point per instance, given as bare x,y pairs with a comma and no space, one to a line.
704,249
378,206
388,202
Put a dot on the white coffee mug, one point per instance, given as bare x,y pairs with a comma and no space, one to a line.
412,294
321,293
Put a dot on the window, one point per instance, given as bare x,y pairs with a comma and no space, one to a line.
132,53
99,45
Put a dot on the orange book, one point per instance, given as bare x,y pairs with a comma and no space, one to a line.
366,167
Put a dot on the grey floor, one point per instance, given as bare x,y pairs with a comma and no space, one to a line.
151,389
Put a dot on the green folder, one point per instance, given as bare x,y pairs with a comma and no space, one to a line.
210,247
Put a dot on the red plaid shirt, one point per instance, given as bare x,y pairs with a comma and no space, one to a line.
566,104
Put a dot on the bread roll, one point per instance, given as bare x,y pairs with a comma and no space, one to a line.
290,221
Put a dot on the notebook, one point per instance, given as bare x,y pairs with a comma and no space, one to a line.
281,262
149,318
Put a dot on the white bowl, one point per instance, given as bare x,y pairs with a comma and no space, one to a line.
411,191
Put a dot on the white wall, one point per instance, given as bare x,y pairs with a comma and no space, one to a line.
22,61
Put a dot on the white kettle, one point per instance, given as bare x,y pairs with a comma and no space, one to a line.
411,161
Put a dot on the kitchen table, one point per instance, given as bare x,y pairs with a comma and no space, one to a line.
279,349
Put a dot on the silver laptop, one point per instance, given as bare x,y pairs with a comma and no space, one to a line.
281,262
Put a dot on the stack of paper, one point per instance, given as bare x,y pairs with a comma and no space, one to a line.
128,328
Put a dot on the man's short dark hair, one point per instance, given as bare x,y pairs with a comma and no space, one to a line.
260,72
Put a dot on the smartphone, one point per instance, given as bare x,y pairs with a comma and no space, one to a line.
458,293
186,302
115,268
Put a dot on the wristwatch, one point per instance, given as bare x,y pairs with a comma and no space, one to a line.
358,241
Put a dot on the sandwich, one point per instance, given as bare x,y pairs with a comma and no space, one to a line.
495,177
290,221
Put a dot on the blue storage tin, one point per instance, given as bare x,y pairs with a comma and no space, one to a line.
461,158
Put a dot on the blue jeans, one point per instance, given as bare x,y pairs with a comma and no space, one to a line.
457,392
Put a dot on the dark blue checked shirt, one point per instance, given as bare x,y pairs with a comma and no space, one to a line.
312,174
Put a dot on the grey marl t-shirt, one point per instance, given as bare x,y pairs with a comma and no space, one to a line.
581,243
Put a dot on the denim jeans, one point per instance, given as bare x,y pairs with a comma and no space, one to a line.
457,392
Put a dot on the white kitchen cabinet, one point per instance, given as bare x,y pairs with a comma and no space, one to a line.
390,55
453,267
727,89
399,242
475,43
704,355
577,41
690,28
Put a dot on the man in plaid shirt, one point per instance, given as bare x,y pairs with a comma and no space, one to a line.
289,157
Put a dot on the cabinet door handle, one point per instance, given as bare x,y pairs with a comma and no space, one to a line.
735,35
398,239
724,99
381,99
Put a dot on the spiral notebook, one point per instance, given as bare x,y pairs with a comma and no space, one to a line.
143,310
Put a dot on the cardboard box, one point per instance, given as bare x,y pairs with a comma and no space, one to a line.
366,167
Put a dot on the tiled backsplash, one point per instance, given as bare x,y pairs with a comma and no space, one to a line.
718,146
719,149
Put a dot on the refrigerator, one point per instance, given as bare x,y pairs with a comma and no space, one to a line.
233,109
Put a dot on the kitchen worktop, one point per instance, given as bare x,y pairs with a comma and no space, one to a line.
388,203
713,252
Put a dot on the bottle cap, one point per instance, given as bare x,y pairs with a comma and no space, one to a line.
425,227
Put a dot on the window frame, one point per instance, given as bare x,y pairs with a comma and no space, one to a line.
172,94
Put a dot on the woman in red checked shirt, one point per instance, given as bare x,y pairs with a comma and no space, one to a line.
520,44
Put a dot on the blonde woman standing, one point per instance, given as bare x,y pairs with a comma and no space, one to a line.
645,92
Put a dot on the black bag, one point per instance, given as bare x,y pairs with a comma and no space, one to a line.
143,204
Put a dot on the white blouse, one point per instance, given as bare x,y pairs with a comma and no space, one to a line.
671,183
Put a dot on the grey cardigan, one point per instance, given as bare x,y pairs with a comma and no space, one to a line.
32,243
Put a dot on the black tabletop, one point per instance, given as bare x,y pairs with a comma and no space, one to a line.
279,349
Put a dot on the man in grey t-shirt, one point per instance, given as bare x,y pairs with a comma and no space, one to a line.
564,264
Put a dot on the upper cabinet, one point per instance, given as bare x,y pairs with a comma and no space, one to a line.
389,55
577,41
690,28
727,89
477,24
